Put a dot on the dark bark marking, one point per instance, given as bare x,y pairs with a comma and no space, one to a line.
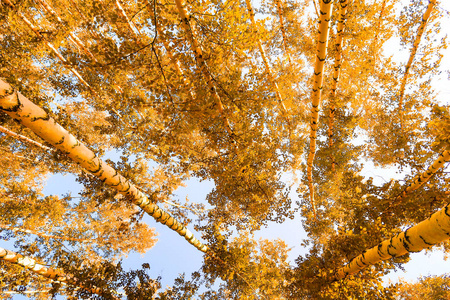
14,108
60,141
98,168
423,239
45,118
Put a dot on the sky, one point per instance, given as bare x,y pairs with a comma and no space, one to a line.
172,255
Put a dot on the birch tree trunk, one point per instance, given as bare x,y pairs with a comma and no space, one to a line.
420,179
184,15
322,43
30,115
24,138
283,29
266,61
432,231
420,31
72,36
45,271
337,69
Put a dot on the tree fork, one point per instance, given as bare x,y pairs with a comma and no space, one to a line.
30,115
322,43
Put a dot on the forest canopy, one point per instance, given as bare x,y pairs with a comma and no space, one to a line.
281,105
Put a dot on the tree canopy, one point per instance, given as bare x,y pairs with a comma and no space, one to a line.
281,104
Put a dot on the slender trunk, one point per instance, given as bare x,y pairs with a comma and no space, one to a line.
72,36
43,235
50,45
133,28
266,61
315,8
24,139
322,42
74,4
8,152
420,179
25,292
283,29
173,60
75,72
375,49
176,64
420,32
30,115
337,69
201,62
40,269
432,231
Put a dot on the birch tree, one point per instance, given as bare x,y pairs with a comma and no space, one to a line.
322,44
337,68
18,106
41,269
421,236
